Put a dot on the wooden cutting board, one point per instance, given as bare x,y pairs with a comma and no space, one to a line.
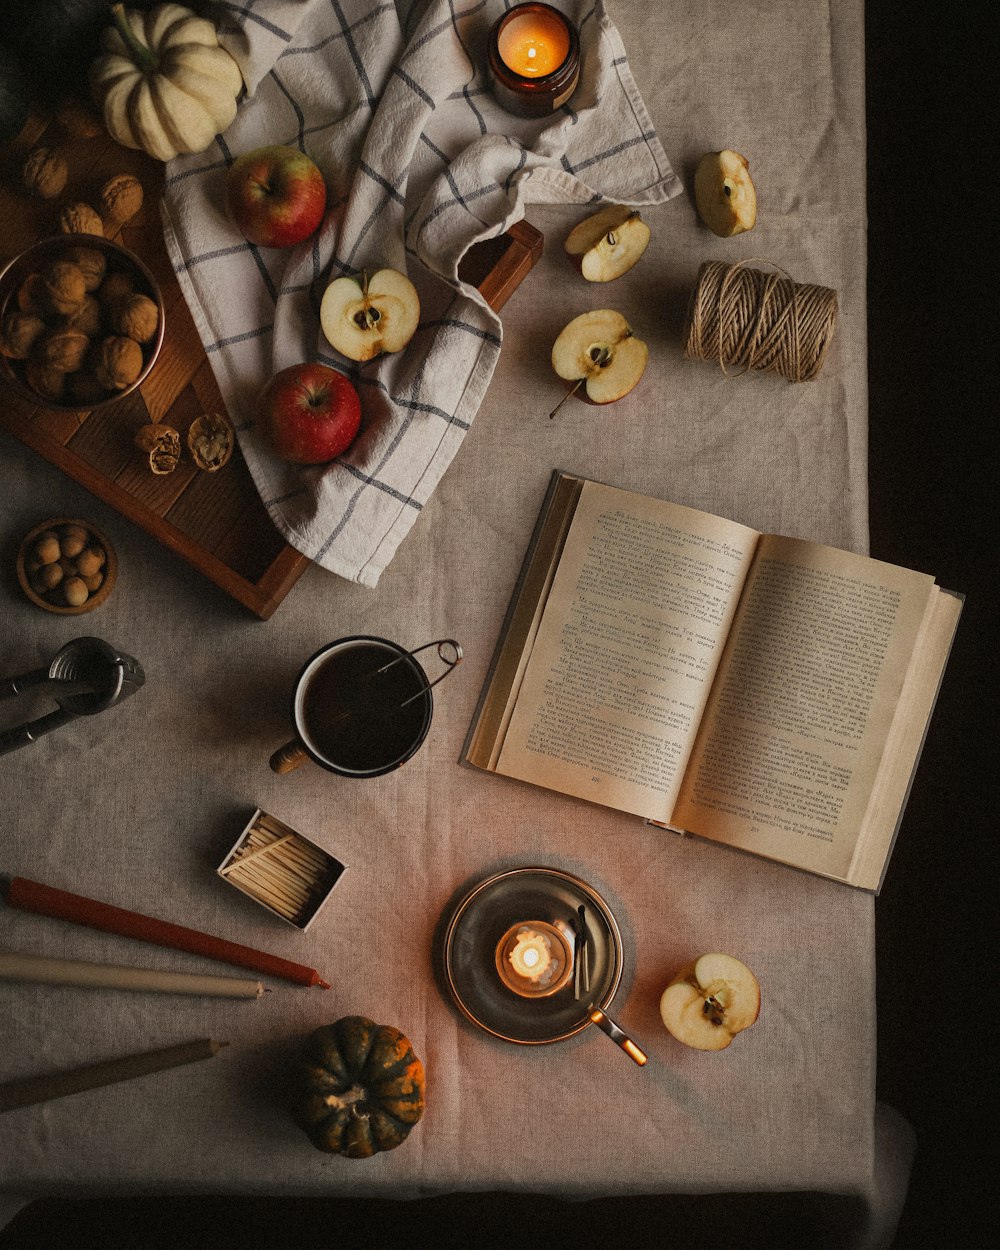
214,521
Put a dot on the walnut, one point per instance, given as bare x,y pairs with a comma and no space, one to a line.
75,592
30,296
136,316
210,440
92,264
79,119
63,287
89,561
45,381
87,318
121,198
18,333
162,444
44,173
115,286
80,219
118,362
62,349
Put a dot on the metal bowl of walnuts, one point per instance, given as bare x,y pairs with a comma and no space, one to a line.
66,566
81,322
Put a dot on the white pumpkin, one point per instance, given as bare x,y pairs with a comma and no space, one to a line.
163,83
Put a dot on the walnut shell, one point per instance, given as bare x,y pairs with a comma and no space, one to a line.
79,119
210,440
91,262
81,219
121,198
62,349
44,173
118,362
63,287
19,333
162,445
136,316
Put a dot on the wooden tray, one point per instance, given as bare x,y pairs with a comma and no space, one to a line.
214,521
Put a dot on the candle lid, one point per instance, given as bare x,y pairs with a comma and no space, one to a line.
478,923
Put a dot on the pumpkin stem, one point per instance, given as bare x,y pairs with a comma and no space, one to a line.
144,57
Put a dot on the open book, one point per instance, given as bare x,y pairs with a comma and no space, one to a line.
764,692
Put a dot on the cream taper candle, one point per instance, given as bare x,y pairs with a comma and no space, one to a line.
77,972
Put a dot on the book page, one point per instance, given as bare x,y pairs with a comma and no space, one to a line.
798,722
625,653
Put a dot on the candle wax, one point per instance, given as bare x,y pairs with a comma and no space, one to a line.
531,955
534,44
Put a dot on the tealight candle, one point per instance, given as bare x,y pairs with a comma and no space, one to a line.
534,958
534,59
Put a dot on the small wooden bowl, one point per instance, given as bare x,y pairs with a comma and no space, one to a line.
93,600
117,258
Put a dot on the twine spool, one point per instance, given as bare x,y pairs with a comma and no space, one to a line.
746,319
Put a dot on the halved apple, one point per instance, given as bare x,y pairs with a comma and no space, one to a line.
362,316
725,194
710,1001
599,350
609,243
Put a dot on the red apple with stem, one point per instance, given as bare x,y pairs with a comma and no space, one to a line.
275,196
309,413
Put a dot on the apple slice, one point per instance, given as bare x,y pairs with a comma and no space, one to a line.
599,350
725,194
609,243
710,1001
363,316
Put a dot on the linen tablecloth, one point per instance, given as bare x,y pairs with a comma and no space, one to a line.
138,805
393,103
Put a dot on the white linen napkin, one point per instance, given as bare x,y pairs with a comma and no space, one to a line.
392,101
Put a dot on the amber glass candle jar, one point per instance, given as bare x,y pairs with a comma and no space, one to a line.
534,60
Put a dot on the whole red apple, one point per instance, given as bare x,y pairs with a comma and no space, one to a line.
275,196
309,413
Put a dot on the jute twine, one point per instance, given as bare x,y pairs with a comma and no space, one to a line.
746,319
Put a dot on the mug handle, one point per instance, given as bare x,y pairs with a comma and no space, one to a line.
287,758
449,653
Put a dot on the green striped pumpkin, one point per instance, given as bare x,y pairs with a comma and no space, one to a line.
359,1088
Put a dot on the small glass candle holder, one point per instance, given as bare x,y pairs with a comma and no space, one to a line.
534,60
534,958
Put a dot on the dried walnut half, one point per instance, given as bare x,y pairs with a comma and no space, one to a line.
162,444
210,441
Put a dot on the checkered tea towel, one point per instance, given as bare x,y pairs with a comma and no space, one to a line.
392,101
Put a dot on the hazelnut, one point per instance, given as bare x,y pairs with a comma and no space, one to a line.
80,219
18,333
118,362
162,444
75,592
63,287
49,576
121,198
89,562
46,382
44,173
71,545
62,349
91,262
135,316
47,547
87,318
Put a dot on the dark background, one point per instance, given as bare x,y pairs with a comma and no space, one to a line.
933,369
